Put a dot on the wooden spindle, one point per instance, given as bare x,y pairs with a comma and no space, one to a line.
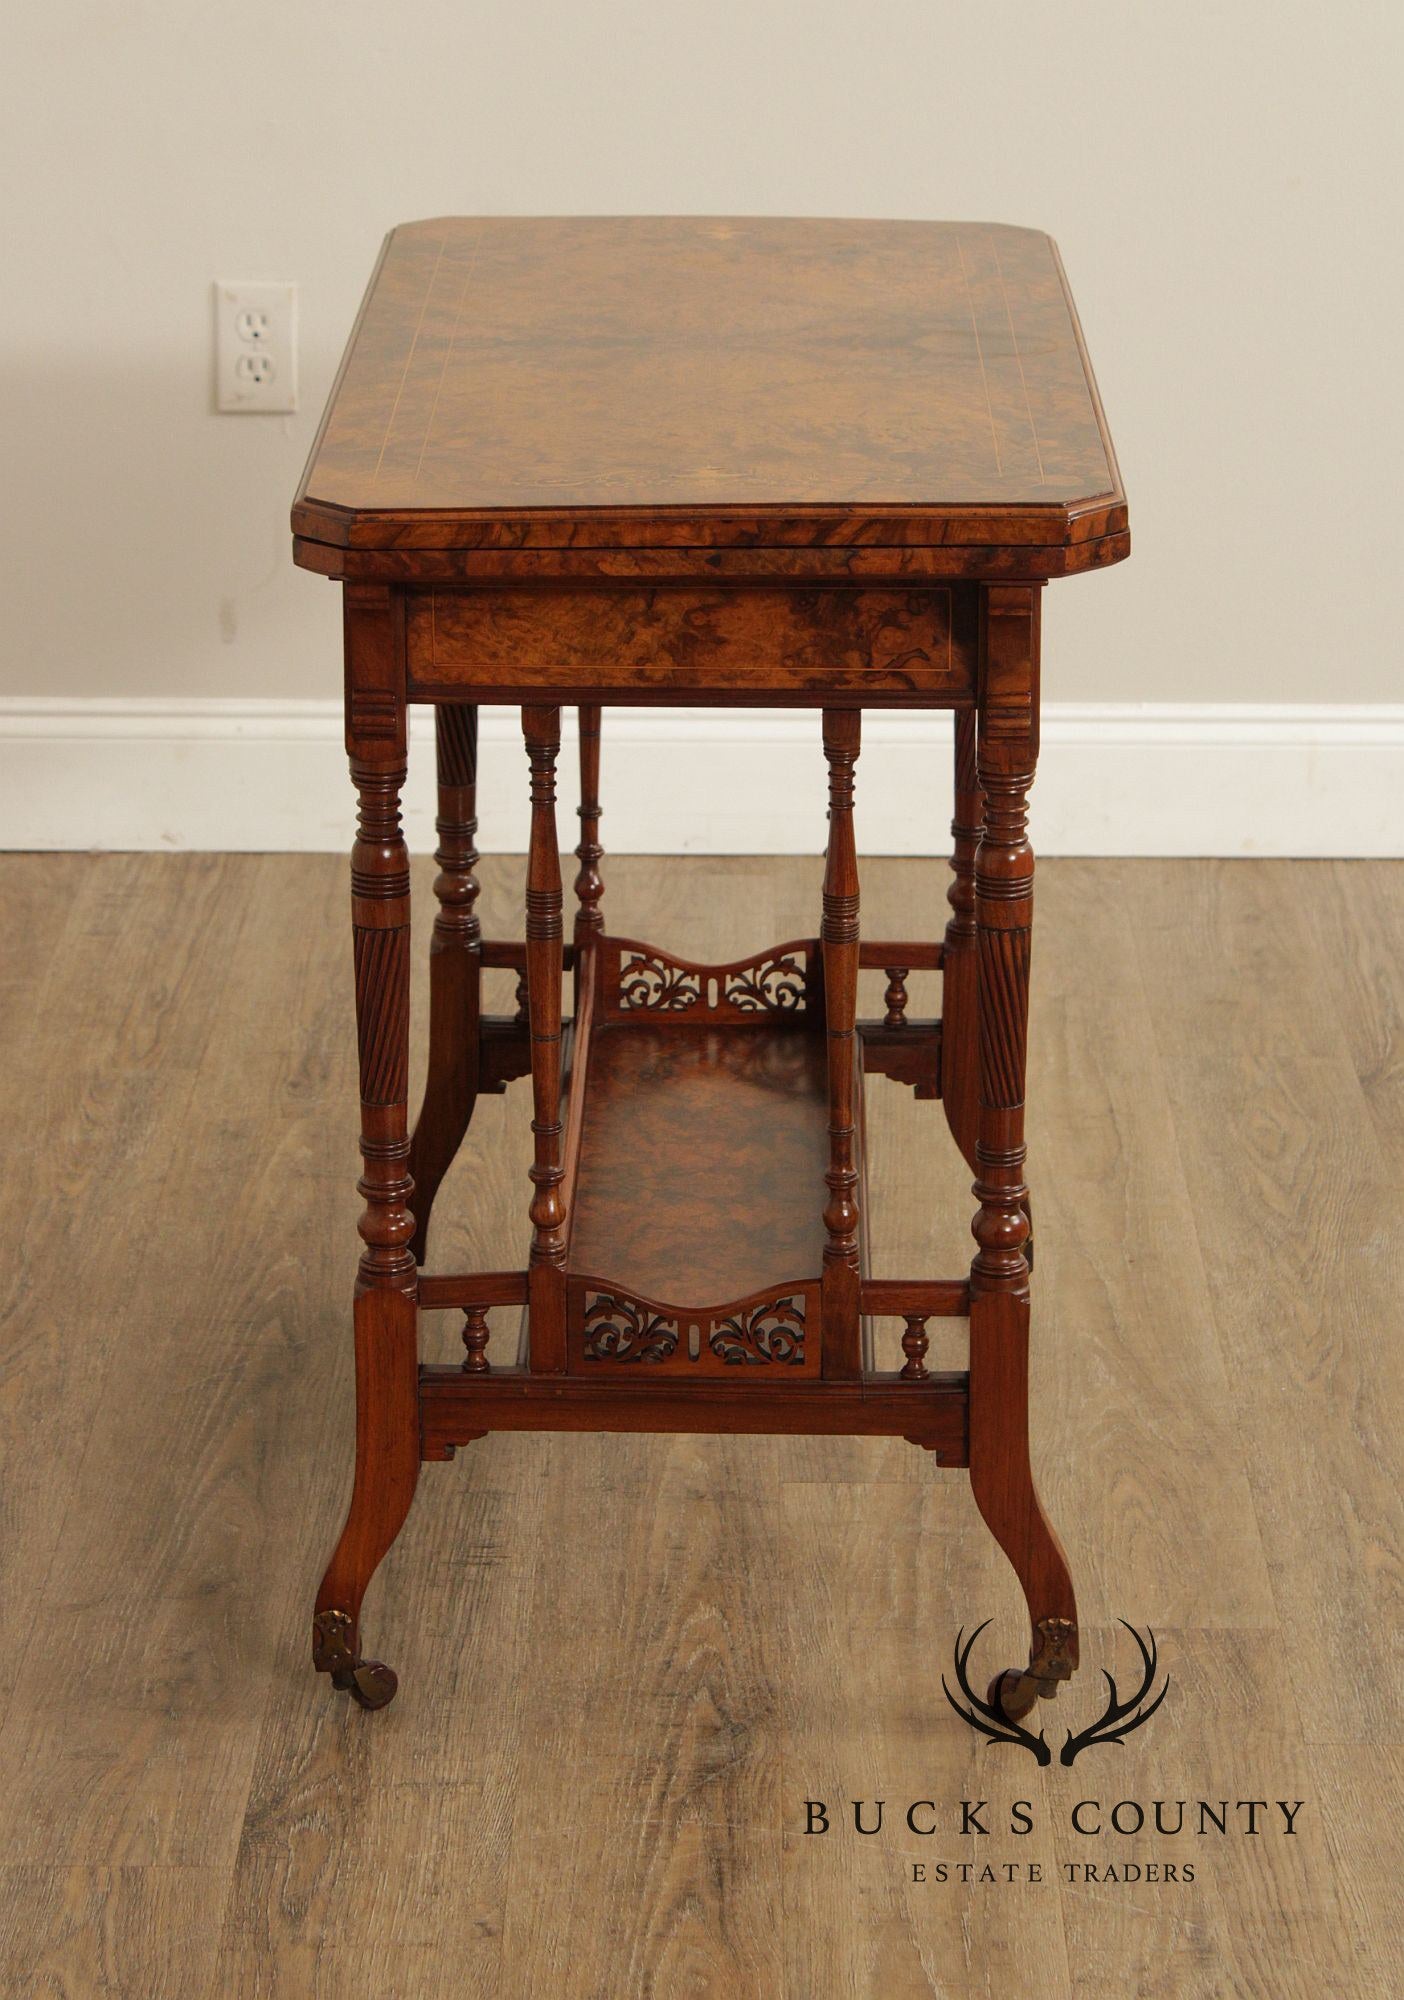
456,884
475,1340
839,933
960,982
589,884
541,727
455,966
895,998
914,1346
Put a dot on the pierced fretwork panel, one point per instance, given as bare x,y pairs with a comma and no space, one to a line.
755,1335
618,1328
651,984
638,979
771,1331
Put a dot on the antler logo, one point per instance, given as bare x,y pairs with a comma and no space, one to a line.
1113,1725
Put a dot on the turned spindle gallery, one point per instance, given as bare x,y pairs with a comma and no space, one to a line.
1166,1818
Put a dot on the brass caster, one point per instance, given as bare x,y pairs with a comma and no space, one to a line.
1013,1693
370,1683
1051,1661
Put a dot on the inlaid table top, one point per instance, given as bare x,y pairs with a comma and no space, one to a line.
637,383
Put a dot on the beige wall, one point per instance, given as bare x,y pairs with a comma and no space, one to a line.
1224,181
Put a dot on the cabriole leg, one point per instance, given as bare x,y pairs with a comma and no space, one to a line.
1000,1473
387,1388
455,968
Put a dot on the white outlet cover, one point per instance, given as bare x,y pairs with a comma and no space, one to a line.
255,347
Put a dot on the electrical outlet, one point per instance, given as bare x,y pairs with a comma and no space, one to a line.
255,347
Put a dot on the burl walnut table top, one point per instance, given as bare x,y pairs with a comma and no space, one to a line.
630,383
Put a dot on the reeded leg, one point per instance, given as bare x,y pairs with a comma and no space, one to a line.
1000,1473
842,1353
960,980
455,968
387,1391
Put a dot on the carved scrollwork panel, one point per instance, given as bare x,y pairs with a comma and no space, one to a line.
650,983
646,980
618,1328
775,985
770,1332
757,1332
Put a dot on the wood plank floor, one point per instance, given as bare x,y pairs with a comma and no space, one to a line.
626,1663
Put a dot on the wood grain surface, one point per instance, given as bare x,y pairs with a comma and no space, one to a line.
704,1154
628,1660
631,382
700,643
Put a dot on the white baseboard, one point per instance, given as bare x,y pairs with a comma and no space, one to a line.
1115,778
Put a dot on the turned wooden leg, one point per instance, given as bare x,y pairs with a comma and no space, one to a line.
455,968
546,1269
1000,1473
842,1351
589,883
960,979
387,1388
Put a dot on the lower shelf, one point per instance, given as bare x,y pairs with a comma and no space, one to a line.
702,1159
694,1182
697,1232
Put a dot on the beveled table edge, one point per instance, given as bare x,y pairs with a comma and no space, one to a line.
773,562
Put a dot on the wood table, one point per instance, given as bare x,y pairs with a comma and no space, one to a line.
744,462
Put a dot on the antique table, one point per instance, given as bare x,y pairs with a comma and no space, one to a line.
823,464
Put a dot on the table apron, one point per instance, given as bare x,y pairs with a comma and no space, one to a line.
816,643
